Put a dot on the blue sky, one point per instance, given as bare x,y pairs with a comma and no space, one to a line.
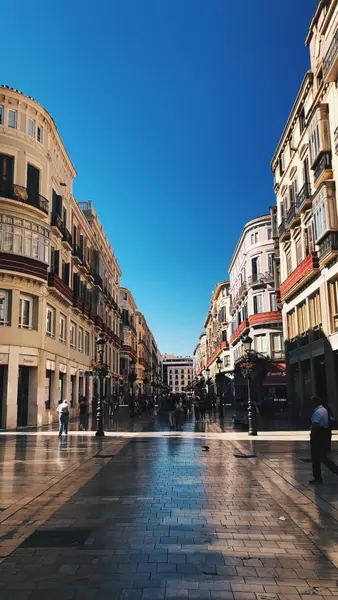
170,111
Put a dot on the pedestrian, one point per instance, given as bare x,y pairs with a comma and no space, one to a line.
63,411
179,415
83,412
320,441
171,410
112,408
197,407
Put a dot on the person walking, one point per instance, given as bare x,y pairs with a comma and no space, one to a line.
197,407
171,410
83,413
63,411
320,441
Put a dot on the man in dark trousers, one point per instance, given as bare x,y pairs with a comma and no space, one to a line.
320,441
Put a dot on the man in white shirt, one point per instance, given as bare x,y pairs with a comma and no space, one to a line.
63,411
320,441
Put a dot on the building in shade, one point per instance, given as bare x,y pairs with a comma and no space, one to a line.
305,168
128,356
177,371
254,311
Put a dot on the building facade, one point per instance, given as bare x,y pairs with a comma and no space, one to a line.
59,277
144,354
128,356
177,372
305,167
254,309
217,331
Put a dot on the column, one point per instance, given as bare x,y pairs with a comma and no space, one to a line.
12,387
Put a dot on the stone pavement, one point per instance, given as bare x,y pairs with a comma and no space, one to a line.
165,519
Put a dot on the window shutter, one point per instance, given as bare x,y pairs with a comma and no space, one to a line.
56,261
67,269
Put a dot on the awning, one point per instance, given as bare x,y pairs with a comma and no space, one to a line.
276,374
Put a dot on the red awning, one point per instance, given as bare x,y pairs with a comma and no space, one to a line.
275,375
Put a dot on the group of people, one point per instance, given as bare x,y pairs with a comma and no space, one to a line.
179,406
141,404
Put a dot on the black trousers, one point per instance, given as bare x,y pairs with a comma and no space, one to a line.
320,441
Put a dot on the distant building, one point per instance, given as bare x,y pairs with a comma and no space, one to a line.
177,371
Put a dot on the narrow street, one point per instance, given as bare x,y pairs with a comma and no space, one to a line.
155,516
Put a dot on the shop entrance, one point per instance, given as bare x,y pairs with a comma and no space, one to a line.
23,389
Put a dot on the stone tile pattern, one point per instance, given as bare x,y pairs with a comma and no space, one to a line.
168,520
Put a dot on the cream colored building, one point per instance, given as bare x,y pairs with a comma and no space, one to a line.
129,349
305,167
200,355
59,277
144,354
177,372
216,325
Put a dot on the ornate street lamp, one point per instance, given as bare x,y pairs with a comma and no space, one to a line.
246,368
102,372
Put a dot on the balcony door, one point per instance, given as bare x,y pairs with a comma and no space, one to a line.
255,268
33,182
6,173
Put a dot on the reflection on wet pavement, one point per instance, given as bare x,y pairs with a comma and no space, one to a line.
160,518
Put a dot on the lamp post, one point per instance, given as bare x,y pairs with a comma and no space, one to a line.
246,371
100,343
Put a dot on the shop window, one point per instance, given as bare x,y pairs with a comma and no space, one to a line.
333,295
48,389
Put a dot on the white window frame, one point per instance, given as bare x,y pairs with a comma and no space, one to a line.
24,299
62,338
273,301
50,311
13,124
262,303
72,337
2,114
260,337
4,297
39,134
80,339
31,127
86,343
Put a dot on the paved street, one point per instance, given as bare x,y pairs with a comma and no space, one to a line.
155,516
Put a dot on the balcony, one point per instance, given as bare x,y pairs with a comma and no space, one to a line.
239,331
265,318
293,216
323,169
98,322
217,352
20,194
307,270
98,281
22,264
330,63
77,302
60,288
57,225
328,247
283,231
260,279
78,254
67,242
304,198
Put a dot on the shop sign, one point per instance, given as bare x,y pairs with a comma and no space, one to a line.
28,361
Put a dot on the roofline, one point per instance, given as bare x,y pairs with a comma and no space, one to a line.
207,319
307,79
219,286
247,226
6,88
124,289
314,20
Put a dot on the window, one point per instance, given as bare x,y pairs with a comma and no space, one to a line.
39,135
50,319
302,120
226,361
318,132
1,115
8,238
291,319
25,312
269,233
299,252
62,329
260,343
324,211
80,339
31,128
315,311
24,237
86,341
302,320
4,307
273,302
72,336
309,239
333,295
258,304
271,257
288,262
276,346
12,118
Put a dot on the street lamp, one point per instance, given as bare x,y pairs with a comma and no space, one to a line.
219,364
246,371
100,343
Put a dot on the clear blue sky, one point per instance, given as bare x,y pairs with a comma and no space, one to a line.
170,111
